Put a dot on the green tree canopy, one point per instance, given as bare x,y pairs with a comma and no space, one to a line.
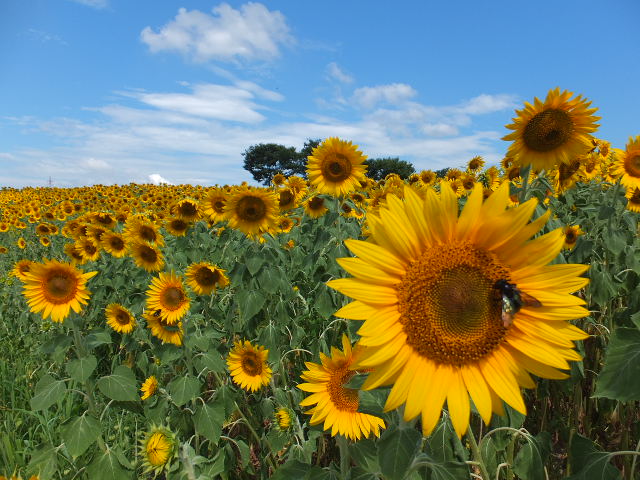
264,160
378,168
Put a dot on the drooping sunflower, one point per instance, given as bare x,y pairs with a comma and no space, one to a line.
627,163
314,206
336,167
119,318
552,132
21,268
336,405
427,285
149,387
475,164
251,210
204,278
54,288
163,330
571,234
248,365
167,295
146,255
158,448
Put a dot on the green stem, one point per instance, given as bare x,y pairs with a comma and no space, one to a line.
477,457
345,457
270,457
510,454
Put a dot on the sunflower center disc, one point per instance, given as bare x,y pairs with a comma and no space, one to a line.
147,233
632,165
218,206
116,243
336,168
206,277
122,318
60,286
148,254
251,364
251,209
286,197
173,297
548,130
188,209
345,399
178,225
316,203
449,307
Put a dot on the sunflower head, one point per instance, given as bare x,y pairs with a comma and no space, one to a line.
146,255
336,167
252,210
158,449
315,206
165,332
186,209
149,387
283,419
119,318
167,297
204,278
248,366
627,163
21,268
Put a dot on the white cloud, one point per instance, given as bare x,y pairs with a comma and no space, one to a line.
7,155
336,73
95,164
251,33
488,104
44,37
439,130
158,179
395,93
93,3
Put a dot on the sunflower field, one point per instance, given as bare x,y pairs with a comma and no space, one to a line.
483,324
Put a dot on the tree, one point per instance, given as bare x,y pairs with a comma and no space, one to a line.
264,160
378,168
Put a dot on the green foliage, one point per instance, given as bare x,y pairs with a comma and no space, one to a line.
265,160
379,168
619,377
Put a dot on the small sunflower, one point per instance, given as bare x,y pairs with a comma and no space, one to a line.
315,207
54,288
186,209
571,234
475,164
336,405
21,268
114,244
21,243
119,318
336,167
167,295
162,330
283,419
45,241
74,253
248,366
252,210
88,248
177,226
278,179
146,255
158,448
213,205
627,164
149,387
138,228
552,132
204,278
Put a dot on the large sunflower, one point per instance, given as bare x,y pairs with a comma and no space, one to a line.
627,164
119,318
427,285
54,288
336,167
334,404
252,210
248,366
167,296
204,278
553,132
214,203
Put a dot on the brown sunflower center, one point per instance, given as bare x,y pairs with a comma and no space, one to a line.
449,306
122,318
635,197
251,364
148,254
344,399
570,236
336,168
566,171
60,287
116,243
205,277
178,225
251,209
89,248
632,165
286,197
147,233
548,130
173,297
514,173
187,209
218,205
316,203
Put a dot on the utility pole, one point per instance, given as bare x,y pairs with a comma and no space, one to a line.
49,181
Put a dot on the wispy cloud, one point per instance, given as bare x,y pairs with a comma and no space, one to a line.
44,37
395,93
252,32
336,73
93,3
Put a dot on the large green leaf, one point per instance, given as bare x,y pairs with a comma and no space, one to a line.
44,462
396,449
120,385
210,361
208,421
48,391
81,369
530,460
250,303
589,463
78,434
619,377
291,469
107,467
183,389
444,470
365,454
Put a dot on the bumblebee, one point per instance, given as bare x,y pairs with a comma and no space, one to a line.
513,299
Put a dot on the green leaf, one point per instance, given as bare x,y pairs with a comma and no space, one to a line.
44,462
529,462
208,421
588,462
324,303
357,473
183,389
120,385
365,455
440,444
98,337
211,361
291,469
250,303
396,450
254,264
619,377
444,470
78,434
81,369
107,467
48,392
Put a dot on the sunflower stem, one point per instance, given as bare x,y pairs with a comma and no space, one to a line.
270,456
510,454
475,451
345,458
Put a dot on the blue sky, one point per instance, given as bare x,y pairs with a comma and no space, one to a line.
119,91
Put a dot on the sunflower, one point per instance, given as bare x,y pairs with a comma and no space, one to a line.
252,210
186,209
248,366
158,448
285,224
571,234
167,295
287,199
177,226
139,228
114,244
336,167
204,278
45,241
4,250
21,268
21,243
149,387
633,199
119,318
283,416
88,248
74,253
213,205
162,330
314,206
426,284
278,179
553,132
335,404
146,256
54,287
627,163
475,164
428,177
